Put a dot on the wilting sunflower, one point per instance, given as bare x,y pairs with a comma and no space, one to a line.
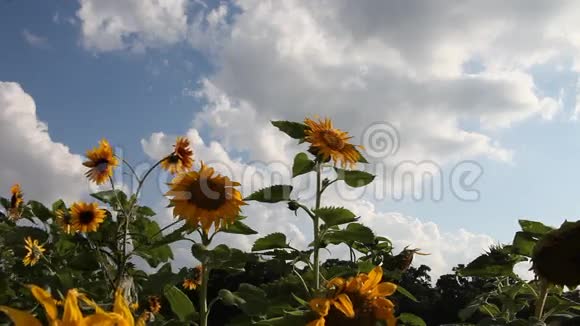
86,217
154,304
556,255
101,162
204,199
16,201
64,220
34,251
195,281
72,315
330,143
360,300
181,159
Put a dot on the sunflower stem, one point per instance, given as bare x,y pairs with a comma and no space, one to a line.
316,229
541,301
127,220
203,307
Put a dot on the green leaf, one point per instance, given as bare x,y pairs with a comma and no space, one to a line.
256,302
335,215
179,303
354,178
199,251
302,164
271,241
410,320
58,205
534,227
354,232
499,261
239,228
361,158
406,293
489,309
229,299
145,211
145,235
39,210
112,197
300,300
365,266
292,129
524,243
271,194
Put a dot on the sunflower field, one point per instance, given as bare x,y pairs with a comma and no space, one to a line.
74,263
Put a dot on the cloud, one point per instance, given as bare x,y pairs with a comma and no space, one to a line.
47,170
35,40
359,63
133,25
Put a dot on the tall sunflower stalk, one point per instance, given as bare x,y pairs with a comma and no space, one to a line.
331,149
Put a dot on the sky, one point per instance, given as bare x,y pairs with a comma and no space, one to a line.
480,99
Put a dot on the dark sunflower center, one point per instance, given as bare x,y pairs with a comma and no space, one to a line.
86,217
173,158
102,164
208,194
332,140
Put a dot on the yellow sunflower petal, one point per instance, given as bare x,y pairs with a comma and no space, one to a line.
72,313
120,307
46,300
19,317
384,289
320,305
374,278
343,304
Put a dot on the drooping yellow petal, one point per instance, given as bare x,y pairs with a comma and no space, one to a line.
47,301
72,313
121,307
374,278
384,289
19,317
105,319
343,304
320,305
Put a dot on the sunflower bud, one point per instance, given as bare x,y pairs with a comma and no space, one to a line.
293,205
556,256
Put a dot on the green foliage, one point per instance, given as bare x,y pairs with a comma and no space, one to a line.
271,194
180,303
354,178
335,215
271,241
302,164
293,129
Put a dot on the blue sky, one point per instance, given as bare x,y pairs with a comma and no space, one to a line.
130,80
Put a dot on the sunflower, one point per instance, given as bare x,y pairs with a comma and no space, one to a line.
16,201
181,159
195,281
360,300
154,304
330,143
64,220
555,256
72,315
34,252
202,198
101,162
86,217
